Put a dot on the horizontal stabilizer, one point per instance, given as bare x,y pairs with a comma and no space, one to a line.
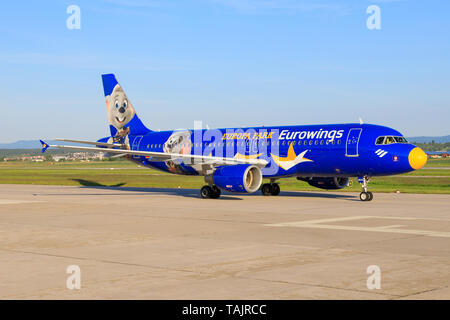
44,146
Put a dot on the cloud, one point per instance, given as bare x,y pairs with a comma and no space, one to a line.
138,4
271,6
98,61
385,1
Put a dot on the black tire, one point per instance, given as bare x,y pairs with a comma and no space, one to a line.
370,196
206,192
364,196
266,189
215,192
275,189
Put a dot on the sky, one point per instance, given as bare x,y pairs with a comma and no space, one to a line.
228,63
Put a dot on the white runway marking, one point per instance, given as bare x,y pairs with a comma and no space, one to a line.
320,224
7,201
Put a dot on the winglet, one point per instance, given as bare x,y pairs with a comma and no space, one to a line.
44,146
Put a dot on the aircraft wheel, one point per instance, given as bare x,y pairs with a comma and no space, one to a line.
206,192
370,195
364,196
266,189
215,192
275,189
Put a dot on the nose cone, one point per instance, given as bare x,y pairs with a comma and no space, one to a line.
417,158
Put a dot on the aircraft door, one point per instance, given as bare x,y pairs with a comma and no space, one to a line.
351,146
135,146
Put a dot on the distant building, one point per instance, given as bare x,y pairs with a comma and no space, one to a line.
59,158
437,154
25,158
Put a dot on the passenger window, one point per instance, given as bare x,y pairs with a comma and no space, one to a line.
339,142
316,142
310,142
321,142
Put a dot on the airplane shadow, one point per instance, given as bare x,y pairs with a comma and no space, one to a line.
190,193
88,183
195,193
310,194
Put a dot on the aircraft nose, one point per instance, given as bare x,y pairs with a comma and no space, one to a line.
417,158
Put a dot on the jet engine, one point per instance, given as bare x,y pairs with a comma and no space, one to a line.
242,178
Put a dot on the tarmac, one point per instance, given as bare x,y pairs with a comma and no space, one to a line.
146,243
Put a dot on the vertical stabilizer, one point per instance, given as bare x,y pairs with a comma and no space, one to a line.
122,117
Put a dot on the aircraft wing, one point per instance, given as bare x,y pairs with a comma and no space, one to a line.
189,159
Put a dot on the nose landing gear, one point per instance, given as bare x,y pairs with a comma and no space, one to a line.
365,195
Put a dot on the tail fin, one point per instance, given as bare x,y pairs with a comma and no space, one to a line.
122,117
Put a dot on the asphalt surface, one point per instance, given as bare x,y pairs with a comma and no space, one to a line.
144,243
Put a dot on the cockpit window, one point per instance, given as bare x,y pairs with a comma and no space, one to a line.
390,140
400,139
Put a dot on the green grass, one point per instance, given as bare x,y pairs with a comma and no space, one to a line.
128,174
442,162
429,172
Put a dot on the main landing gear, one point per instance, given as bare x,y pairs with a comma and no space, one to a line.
270,189
365,195
210,192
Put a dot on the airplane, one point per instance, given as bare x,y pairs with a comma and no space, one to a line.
238,159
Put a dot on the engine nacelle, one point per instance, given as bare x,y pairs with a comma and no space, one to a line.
242,178
331,183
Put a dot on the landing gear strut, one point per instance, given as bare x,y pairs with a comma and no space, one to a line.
365,195
210,192
270,189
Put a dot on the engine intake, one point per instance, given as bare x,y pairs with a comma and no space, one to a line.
240,178
331,183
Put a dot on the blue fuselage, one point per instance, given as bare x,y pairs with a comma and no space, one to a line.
335,150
